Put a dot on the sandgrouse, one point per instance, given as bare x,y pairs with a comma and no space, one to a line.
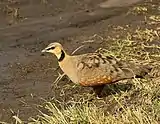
94,69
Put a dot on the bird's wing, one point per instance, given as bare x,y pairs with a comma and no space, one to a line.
96,69
91,60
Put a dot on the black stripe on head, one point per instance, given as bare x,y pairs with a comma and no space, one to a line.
51,48
62,56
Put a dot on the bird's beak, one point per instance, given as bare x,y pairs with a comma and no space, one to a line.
44,50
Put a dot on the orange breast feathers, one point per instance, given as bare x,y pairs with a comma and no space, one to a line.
96,81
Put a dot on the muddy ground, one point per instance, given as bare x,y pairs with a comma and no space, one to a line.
27,26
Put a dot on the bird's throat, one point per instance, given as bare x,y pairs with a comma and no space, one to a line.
62,56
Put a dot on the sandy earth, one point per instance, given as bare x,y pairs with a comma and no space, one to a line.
27,26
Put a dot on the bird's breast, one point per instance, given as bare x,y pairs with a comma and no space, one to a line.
68,67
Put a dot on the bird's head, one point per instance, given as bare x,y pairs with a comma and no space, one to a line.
55,48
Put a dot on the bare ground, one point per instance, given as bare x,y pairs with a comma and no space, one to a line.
28,26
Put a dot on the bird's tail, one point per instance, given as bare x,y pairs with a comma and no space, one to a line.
151,70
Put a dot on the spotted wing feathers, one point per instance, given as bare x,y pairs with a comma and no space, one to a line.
97,69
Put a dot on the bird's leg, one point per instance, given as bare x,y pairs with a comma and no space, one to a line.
98,90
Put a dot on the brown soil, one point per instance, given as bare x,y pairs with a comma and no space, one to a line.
27,26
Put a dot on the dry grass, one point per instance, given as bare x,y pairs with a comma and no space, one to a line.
140,105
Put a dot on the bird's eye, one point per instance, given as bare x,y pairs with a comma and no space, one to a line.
51,48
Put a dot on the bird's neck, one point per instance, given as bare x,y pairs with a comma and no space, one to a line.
62,56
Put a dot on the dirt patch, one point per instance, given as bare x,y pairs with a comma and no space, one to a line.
28,26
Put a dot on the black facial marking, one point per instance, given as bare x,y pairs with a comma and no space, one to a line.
62,56
51,48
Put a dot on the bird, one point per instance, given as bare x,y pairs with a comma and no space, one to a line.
94,69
